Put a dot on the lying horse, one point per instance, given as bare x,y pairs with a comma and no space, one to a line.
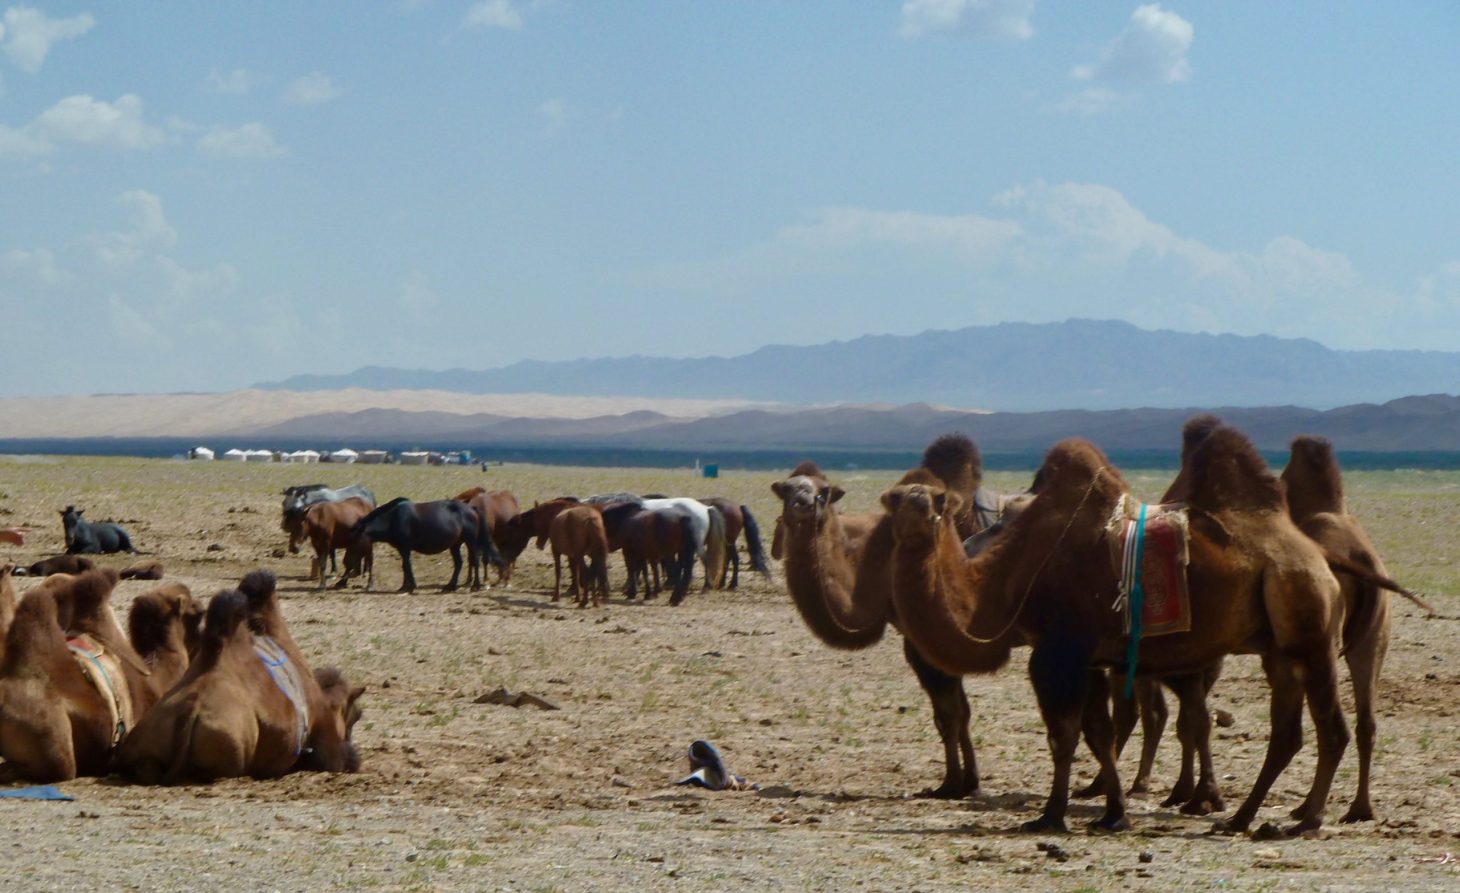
248,705
84,537
427,527
327,525
57,564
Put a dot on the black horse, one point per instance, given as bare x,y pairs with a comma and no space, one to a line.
86,538
426,527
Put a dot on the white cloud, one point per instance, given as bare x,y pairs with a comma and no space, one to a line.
493,14
252,140
134,328
1441,289
554,114
967,237
1088,102
233,83
28,35
37,268
416,294
147,229
184,285
314,88
82,120
1007,19
1151,50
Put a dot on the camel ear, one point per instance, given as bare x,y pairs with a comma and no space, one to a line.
779,488
355,694
835,494
891,500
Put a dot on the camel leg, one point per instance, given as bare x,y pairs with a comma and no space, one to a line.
1150,706
409,583
1059,672
951,716
1100,738
1285,711
1194,727
1365,662
1320,677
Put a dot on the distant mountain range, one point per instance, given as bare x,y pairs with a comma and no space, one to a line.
1419,424
1076,364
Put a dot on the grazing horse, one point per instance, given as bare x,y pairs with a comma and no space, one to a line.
579,534
651,538
326,525
539,518
708,547
738,518
299,498
496,508
426,527
84,537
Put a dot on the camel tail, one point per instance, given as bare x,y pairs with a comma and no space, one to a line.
753,545
1373,577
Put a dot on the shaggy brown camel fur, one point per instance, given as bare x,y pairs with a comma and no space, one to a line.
71,686
7,600
827,553
578,533
1315,501
165,628
247,705
1257,584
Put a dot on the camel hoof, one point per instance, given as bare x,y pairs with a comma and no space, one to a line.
1312,823
1045,825
1205,804
948,790
1094,789
1230,827
1357,814
1178,797
1140,788
1110,825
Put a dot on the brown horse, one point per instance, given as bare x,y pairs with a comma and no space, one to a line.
1257,584
578,533
651,539
737,519
326,527
248,705
143,570
57,564
496,508
71,685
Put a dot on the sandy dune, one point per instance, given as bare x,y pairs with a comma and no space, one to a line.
186,415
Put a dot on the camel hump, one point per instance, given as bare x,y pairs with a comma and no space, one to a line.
955,459
226,612
1312,478
90,592
1072,466
258,586
1227,472
1196,430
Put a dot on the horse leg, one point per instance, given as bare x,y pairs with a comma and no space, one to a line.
557,572
1059,672
575,580
475,573
334,568
319,562
455,569
950,716
409,583
1286,738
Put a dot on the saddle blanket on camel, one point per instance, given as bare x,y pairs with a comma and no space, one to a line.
104,671
1151,558
286,677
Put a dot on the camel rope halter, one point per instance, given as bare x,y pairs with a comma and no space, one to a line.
1024,599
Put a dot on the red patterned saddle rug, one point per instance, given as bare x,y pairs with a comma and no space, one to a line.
103,670
1155,560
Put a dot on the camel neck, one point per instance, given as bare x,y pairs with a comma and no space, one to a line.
826,587
946,605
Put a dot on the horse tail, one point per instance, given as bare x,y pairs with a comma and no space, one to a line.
486,546
685,566
715,546
753,544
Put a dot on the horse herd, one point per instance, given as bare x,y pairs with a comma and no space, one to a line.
1269,565
660,537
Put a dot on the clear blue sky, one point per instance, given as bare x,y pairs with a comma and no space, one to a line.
197,196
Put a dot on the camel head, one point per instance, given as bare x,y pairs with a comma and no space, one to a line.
1312,478
806,501
343,709
918,509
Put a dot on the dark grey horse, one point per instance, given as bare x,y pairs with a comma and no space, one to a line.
427,527
86,538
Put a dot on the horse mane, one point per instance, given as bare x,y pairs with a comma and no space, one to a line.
375,513
1312,479
1227,472
955,459
807,469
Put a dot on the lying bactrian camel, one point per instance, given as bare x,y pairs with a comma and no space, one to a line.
1257,584
248,704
